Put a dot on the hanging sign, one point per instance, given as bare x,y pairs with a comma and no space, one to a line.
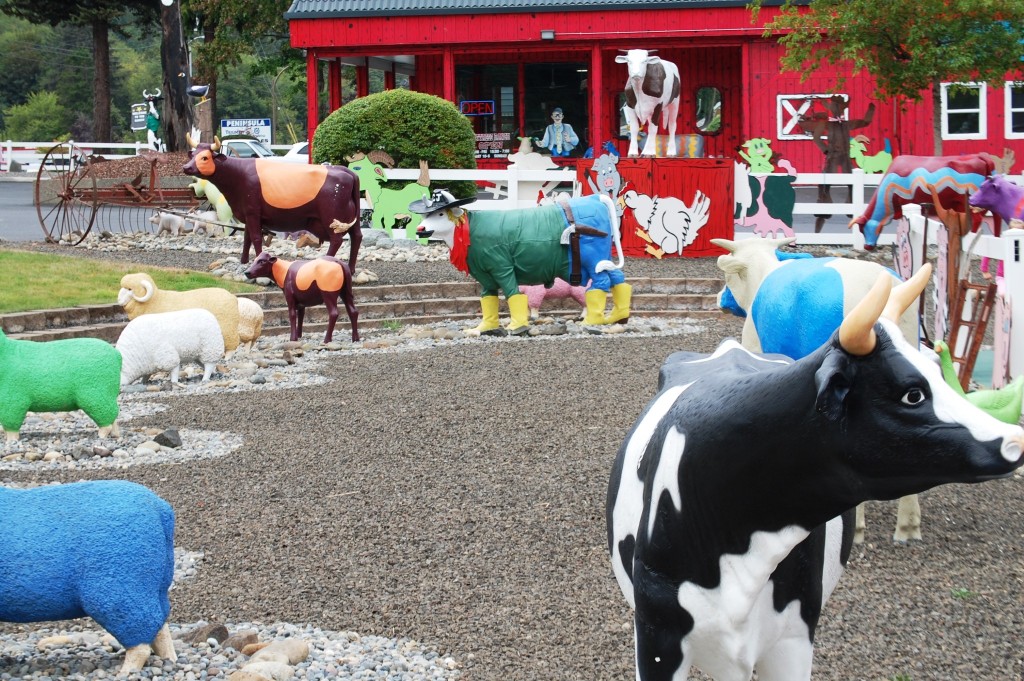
477,108
139,116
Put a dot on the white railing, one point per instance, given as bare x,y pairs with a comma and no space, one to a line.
28,156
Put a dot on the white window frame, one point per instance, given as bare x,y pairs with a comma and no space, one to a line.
982,112
1008,114
788,109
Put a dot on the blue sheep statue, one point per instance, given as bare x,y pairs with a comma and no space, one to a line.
102,549
60,375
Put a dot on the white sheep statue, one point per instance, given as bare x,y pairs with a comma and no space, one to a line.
139,295
60,375
163,341
250,323
101,549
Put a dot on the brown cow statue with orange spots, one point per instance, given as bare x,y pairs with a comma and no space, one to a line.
310,282
283,197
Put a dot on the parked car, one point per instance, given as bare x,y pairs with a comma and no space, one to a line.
299,153
243,147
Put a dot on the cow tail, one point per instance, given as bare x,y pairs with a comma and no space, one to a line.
613,220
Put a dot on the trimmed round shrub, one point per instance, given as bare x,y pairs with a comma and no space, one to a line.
409,126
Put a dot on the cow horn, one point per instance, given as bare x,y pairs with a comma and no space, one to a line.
727,244
340,227
188,138
857,332
150,290
216,144
904,294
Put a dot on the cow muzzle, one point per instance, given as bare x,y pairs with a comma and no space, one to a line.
424,233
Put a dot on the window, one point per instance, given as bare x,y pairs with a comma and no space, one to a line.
963,111
709,110
1015,110
790,108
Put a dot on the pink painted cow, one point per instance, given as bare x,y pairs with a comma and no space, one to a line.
283,197
1002,197
652,99
909,180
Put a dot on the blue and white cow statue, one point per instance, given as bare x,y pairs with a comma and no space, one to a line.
730,502
795,303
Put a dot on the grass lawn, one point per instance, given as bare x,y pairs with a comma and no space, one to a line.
41,281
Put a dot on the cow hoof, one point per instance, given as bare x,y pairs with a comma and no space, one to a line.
495,332
519,330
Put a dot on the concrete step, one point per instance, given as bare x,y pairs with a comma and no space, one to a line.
379,305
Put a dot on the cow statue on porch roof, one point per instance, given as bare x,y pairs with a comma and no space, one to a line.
652,99
729,512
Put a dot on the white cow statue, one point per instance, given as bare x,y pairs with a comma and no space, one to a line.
652,99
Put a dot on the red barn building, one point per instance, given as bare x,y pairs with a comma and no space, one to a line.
508,63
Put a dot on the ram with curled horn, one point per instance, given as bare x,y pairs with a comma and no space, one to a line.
730,503
283,197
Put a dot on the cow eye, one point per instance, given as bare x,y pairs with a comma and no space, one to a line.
913,397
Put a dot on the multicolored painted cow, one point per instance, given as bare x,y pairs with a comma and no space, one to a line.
728,512
910,179
310,282
283,197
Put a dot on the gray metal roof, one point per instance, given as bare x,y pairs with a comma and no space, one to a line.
326,9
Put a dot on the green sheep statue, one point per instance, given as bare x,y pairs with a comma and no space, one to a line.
60,375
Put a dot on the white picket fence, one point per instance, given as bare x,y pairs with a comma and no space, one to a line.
28,156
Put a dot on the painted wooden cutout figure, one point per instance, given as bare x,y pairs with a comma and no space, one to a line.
503,249
390,206
830,131
283,197
793,305
559,137
728,511
101,549
652,99
764,201
666,222
310,282
153,121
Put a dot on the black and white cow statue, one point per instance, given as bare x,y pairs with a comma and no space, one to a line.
652,99
730,505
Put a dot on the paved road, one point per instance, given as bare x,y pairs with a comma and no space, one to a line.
18,219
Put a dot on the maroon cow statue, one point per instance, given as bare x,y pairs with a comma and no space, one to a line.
310,282
910,179
283,197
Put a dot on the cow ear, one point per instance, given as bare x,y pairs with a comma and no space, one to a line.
621,59
833,379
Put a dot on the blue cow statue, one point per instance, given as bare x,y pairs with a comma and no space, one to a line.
101,549
728,508
793,303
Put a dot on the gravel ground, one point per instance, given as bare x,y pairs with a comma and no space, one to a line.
455,496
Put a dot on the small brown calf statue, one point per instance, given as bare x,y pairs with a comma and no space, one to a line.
310,282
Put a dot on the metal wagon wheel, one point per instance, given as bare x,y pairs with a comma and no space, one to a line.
65,194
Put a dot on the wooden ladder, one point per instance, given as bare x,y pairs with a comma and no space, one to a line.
974,324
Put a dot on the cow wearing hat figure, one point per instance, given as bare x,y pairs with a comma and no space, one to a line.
503,249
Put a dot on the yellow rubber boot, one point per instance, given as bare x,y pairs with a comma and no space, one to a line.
621,295
519,313
489,307
596,301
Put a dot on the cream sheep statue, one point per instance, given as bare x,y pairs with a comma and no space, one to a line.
250,322
139,295
163,341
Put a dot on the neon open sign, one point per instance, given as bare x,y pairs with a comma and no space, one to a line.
477,108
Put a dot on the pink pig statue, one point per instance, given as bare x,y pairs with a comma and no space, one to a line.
537,294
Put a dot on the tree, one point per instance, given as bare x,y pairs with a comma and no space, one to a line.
41,119
100,15
909,48
409,126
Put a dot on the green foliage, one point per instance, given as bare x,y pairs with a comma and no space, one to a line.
391,325
908,47
41,118
409,126
963,594
900,677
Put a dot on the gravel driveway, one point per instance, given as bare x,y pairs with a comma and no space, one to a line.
456,496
